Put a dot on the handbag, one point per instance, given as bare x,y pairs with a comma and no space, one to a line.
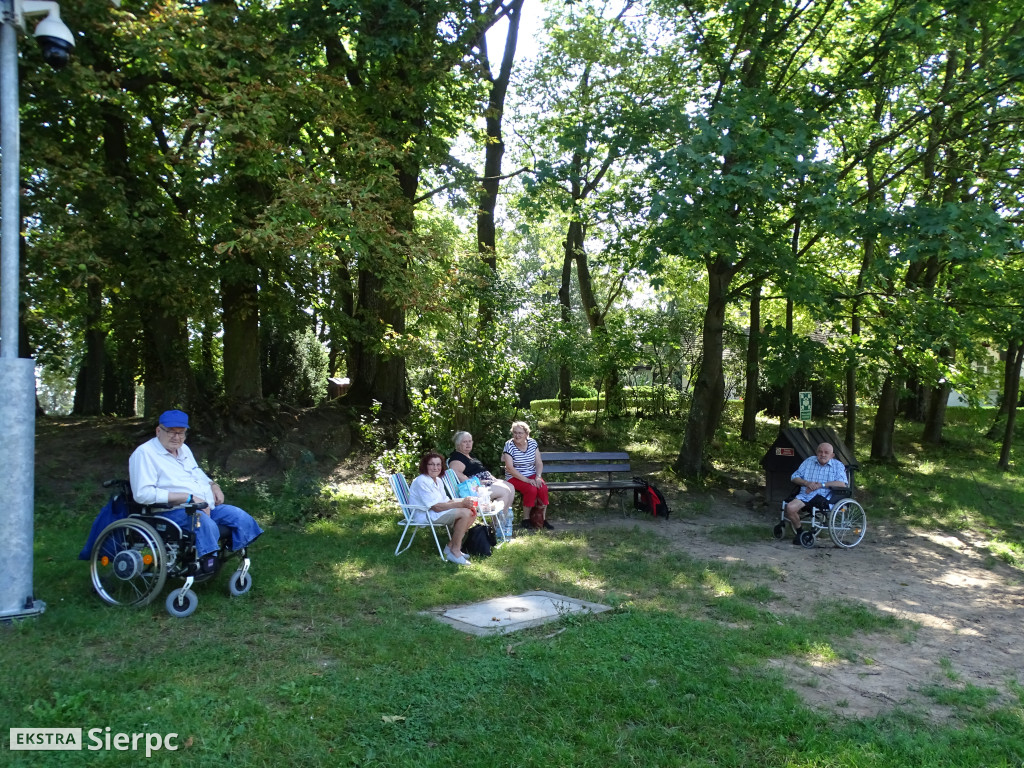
468,486
478,541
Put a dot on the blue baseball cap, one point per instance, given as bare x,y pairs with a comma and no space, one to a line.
174,419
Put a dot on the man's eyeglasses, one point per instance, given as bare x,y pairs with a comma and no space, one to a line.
174,432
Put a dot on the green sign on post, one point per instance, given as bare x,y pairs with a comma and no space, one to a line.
805,406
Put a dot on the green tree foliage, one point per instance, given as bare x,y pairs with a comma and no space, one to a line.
229,200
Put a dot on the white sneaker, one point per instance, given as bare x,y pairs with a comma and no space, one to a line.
448,551
453,559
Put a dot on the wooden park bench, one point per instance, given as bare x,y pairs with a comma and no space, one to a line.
602,471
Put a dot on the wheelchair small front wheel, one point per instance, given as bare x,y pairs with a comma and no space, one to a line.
182,606
239,584
779,530
129,563
807,539
847,523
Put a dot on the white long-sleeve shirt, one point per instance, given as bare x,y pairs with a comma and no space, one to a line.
155,472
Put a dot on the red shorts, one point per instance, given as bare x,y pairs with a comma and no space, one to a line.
531,493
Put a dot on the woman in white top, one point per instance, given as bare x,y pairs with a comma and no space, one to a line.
524,469
427,491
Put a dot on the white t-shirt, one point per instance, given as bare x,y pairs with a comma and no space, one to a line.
426,491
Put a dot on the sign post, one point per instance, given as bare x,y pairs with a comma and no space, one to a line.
805,406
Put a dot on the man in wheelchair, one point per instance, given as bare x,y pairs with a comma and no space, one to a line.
164,471
817,476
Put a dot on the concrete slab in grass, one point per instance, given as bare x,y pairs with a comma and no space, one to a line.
508,614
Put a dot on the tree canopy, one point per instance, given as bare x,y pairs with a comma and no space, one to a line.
724,198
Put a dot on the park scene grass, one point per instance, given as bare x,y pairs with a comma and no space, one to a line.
333,660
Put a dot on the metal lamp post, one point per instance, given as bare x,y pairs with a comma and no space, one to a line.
17,375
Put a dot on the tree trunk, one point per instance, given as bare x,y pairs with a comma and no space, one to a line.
565,306
377,374
241,318
596,321
709,388
119,382
1007,401
494,149
850,436
935,415
752,372
885,423
168,376
787,388
344,311
1011,394
89,384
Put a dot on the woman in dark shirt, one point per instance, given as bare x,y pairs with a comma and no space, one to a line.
466,466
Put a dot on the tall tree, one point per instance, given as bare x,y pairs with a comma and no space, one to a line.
594,88
741,173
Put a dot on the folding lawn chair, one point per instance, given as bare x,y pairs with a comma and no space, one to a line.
408,522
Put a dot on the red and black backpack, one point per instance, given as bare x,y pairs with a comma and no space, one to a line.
649,499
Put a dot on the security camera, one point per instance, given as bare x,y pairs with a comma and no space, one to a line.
53,34
55,39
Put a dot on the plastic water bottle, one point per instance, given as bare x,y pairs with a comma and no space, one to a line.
505,524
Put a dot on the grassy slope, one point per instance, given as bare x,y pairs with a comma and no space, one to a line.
330,662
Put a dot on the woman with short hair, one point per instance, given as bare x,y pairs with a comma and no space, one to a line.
524,469
465,466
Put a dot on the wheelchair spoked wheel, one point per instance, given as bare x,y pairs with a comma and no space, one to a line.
129,563
847,523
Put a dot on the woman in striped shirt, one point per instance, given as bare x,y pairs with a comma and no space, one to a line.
524,470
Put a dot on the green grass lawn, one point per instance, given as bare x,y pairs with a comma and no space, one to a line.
329,661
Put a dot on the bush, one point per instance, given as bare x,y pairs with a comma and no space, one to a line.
582,390
550,407
657,400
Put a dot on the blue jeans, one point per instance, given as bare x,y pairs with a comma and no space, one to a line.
244,529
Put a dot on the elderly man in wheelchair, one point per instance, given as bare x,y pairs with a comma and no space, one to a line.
824,501
174,522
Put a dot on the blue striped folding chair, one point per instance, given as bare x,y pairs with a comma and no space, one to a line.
409,523
451,486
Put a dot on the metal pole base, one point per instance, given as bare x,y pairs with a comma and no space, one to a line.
32,609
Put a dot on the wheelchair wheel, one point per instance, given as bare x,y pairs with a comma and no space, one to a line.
847,524
129,563
779,530
239,584
807,539
181,607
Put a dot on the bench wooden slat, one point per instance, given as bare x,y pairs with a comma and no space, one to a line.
584,468
593,485
583,456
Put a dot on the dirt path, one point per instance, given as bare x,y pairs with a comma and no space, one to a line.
966,610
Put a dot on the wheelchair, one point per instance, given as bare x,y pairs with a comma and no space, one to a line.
843,517
133,557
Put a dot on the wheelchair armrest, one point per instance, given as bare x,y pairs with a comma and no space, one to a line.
841,493
156,509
